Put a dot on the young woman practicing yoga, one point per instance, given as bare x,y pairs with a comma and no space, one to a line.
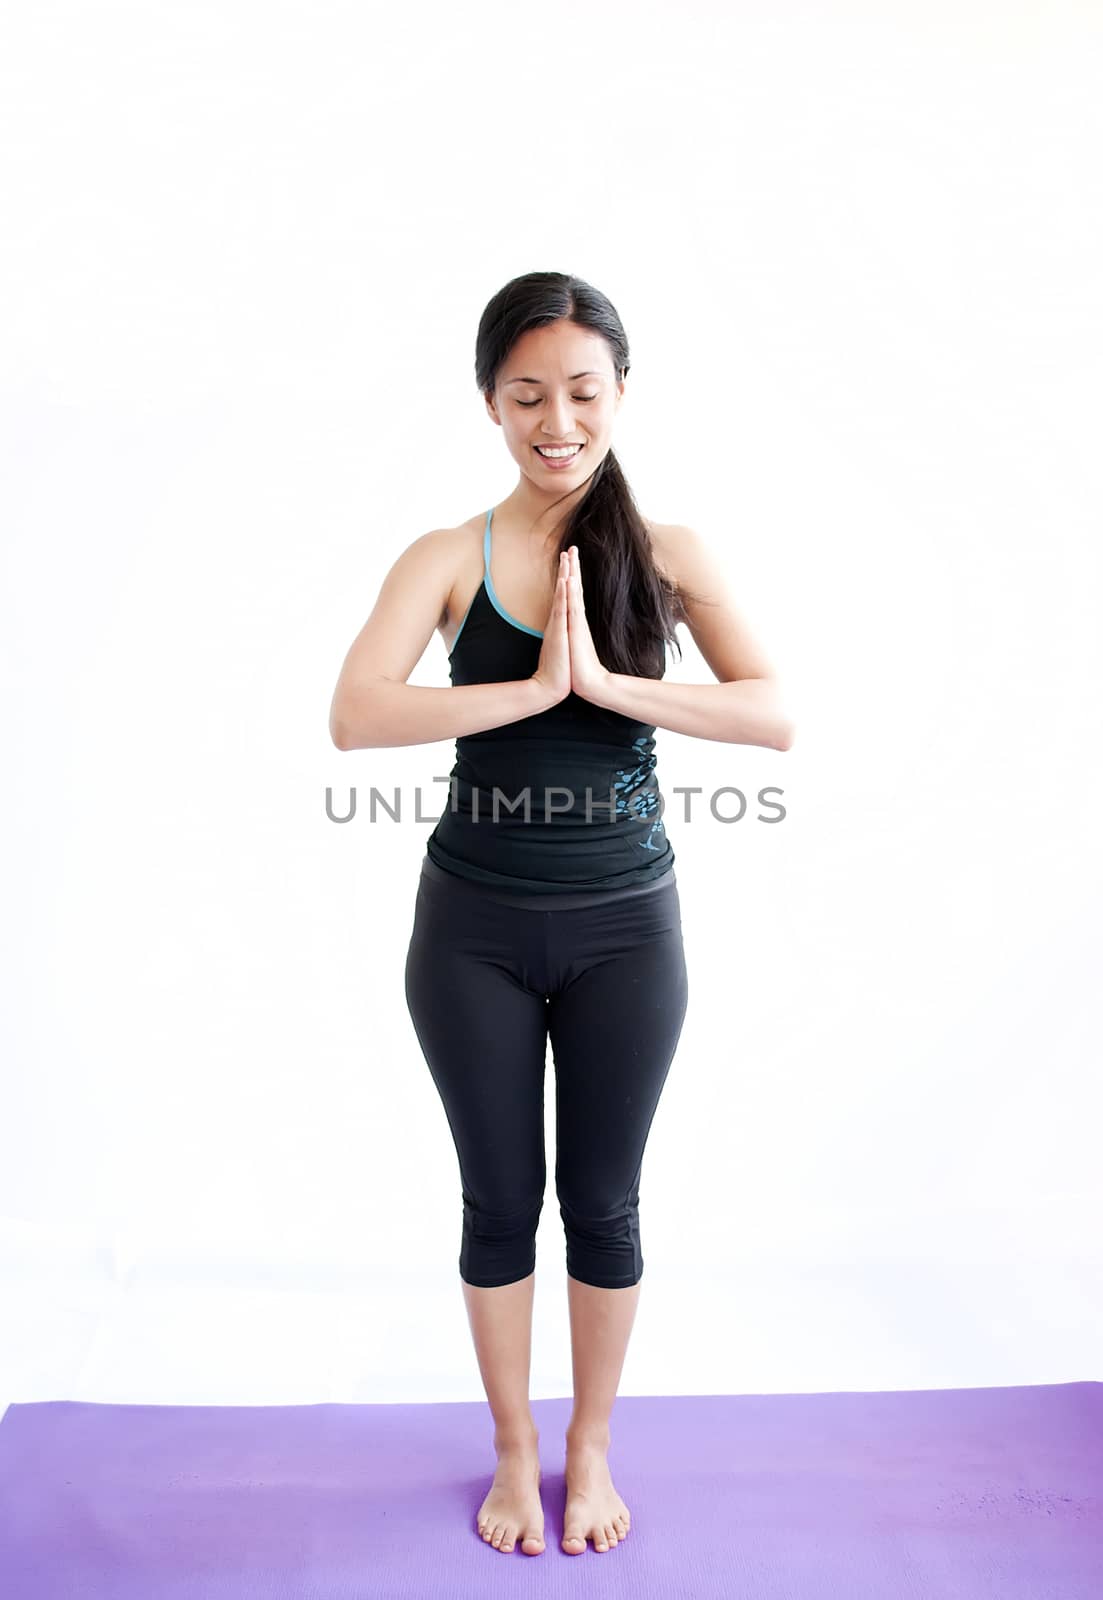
547,907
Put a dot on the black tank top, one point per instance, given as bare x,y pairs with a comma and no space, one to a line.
578,803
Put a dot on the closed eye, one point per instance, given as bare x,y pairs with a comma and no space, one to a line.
583,397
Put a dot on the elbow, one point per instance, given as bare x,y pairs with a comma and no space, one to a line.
785,728
352,727
775,728
339,729
361,717
346,738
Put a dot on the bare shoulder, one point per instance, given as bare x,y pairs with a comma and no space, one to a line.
440,559
714,616
463,535
664,547
459,552
450,539
687,559
678,552
412,603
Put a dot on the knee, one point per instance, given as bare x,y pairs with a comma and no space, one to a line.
603,1242
498,1247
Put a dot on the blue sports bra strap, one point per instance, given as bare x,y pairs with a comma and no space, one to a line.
486,545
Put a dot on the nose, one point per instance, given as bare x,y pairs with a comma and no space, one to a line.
559,419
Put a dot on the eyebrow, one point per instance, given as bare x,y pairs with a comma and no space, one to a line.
591,373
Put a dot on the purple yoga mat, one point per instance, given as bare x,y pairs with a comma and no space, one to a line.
927,1494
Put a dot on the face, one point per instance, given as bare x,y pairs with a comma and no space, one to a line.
557,387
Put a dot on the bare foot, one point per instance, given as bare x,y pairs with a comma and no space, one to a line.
512,1508
594,1508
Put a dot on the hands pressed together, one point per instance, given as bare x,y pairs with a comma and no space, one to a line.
568,659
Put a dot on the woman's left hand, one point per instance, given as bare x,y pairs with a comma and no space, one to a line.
588,677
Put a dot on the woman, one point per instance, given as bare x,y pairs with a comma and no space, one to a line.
547,905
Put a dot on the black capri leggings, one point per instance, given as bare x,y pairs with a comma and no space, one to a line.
488,982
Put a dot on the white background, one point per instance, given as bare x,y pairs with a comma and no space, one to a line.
245,250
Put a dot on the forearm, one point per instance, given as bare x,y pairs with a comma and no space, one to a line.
745,711
385,713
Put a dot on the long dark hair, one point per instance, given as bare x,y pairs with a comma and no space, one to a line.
632,608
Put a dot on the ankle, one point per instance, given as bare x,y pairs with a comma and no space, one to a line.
588,1436
516,1437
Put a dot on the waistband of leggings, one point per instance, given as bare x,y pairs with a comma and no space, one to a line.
536,900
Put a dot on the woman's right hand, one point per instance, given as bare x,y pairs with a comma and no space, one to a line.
553,670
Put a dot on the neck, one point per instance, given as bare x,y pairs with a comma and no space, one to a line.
540,513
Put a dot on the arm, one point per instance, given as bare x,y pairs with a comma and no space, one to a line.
745,705
747,712
374,706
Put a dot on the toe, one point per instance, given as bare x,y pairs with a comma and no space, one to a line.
532,1543
574,1541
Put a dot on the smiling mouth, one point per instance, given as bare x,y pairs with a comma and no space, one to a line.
565,455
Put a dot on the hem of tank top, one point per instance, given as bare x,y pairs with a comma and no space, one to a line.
536,899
